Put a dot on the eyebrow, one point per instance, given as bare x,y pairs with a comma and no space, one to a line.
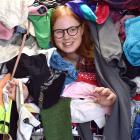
68,27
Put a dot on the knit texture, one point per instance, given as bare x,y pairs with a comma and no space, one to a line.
57,121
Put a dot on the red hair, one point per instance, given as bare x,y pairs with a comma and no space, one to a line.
86,48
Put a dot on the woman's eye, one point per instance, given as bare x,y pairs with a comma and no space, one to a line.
73,29
59,31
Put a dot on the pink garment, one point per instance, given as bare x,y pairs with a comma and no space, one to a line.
77,90
5,33
34,10
81,89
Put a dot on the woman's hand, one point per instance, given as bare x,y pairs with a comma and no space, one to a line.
11,88
105,96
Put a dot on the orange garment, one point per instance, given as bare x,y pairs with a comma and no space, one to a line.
2,84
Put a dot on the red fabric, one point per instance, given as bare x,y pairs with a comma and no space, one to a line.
137,97
102,12
87,77
86,71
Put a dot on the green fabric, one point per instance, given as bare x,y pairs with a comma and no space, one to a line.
42,28
57,121
5,116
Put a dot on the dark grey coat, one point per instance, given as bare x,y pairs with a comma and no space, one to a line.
110,75
118,124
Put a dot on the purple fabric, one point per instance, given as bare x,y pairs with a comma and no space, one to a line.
75,6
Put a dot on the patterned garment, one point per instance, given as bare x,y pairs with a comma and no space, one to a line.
136,128
87,77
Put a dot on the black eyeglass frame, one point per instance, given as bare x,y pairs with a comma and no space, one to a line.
68,29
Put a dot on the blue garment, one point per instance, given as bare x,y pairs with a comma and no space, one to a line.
20,29
58,63
131,46
82,9
88,13
136,128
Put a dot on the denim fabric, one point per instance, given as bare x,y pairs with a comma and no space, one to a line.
136,128
68,80
20,29
135,106
58,63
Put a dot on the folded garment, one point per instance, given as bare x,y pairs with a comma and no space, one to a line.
79,90
86,110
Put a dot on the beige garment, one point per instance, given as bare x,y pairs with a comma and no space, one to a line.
14,12
26,121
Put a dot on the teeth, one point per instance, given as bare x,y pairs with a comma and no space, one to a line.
67,44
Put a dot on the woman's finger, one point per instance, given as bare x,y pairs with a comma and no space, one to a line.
111,97
103,91
106,92
98,89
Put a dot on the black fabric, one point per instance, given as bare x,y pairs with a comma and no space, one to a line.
108,75
36,68
28,65
13,121
132,71
52,94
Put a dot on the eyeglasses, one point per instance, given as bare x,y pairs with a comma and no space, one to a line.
72,31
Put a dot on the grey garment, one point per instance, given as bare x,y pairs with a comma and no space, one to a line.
13,40
3,69
110,45
118,124
9,49
84,131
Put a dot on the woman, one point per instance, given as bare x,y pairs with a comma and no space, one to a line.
73,56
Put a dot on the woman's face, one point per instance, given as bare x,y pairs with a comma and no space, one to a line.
67,33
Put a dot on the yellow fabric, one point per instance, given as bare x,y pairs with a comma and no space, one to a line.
5,116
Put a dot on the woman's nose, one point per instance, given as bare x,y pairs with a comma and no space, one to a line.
66,35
